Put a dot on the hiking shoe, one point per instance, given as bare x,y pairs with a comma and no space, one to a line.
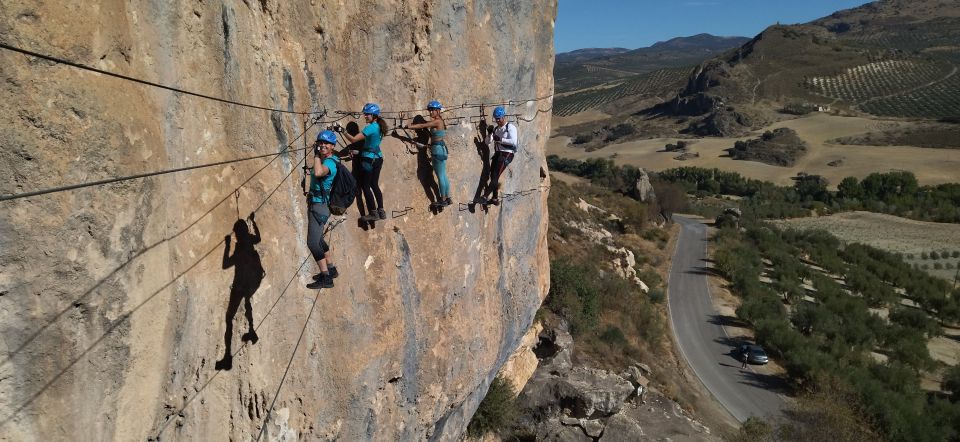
369,218
382,213
494,202
332,270
480,200
325,282
448,201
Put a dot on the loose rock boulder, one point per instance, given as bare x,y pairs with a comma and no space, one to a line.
587,393
621,427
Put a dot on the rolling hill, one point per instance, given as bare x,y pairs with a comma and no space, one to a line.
586,68
890,58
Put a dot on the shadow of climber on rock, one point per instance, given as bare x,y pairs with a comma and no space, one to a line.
247,274
483,151
420,140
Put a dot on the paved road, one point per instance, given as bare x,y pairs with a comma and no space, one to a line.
702,339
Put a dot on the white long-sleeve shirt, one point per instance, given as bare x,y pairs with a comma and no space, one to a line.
508,138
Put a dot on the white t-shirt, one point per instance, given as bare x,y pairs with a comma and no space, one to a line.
508,138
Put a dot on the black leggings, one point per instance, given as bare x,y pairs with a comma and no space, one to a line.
317,216
369,180
501,160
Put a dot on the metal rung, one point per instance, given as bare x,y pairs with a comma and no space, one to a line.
401,212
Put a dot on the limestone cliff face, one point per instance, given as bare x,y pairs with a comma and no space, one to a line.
113,298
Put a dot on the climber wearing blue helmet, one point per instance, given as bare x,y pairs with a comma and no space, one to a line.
504,139
438,149
371,161
325,168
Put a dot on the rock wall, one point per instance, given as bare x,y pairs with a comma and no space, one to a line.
113,298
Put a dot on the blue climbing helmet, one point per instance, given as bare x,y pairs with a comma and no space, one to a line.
371,109
327,136
499,112
434,105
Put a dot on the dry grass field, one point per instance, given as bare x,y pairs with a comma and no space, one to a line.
931,166
893,234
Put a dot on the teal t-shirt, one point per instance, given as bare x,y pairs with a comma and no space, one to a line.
320,186
371,141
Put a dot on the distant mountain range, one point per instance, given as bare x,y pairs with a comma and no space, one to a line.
585,68
582,55
891,58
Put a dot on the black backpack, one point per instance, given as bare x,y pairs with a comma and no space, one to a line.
343,191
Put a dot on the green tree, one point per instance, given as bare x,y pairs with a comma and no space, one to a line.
951,383
497,410
916,319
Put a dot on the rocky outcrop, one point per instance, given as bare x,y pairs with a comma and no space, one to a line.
780,147
523,362
645,188
620,427
585,392
722,123
565,402
115,299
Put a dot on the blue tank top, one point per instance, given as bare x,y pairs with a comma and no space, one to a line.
320,186
371,141
437,135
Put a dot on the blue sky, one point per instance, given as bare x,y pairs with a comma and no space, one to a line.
638,23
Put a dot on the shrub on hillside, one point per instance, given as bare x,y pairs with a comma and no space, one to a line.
619,131
614,336
934,255
583,138
497,410
650,277
799,108
754,429
574,296
656,296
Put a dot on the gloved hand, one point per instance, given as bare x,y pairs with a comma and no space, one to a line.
337,128
496,138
